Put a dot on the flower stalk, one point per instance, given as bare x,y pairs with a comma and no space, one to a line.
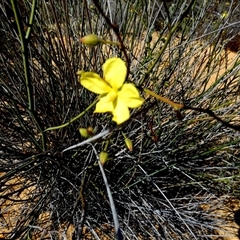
176,106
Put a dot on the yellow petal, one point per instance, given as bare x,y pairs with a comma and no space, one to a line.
114,72
110,97
104,105
94,83
121,112
130,96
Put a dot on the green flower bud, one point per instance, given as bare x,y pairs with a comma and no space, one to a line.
91,40
86,132
103,156
80,72
83,132
129,144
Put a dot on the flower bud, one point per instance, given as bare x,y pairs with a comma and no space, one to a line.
224,15
90,130
129,144
103,156
83,132
91,40
86,132
80,72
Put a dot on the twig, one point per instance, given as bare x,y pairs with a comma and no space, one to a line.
115,28
212,114
112,205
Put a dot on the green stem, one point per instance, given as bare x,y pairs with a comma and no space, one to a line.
162,49
176,106
29,29
25,55
24,43
106,146
172,31
110,42
73,119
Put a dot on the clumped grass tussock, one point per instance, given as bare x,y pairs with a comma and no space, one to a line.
178,50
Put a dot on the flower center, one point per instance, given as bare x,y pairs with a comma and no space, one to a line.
112,95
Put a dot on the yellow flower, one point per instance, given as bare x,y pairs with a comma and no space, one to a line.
115,95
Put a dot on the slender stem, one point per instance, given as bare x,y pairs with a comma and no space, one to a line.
106,145
25,55
29,29
213,115
172,31
176,106
117,33
111,201
24,43
73,119
110,42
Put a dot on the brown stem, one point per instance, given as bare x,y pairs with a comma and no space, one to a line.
115,28
212,114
